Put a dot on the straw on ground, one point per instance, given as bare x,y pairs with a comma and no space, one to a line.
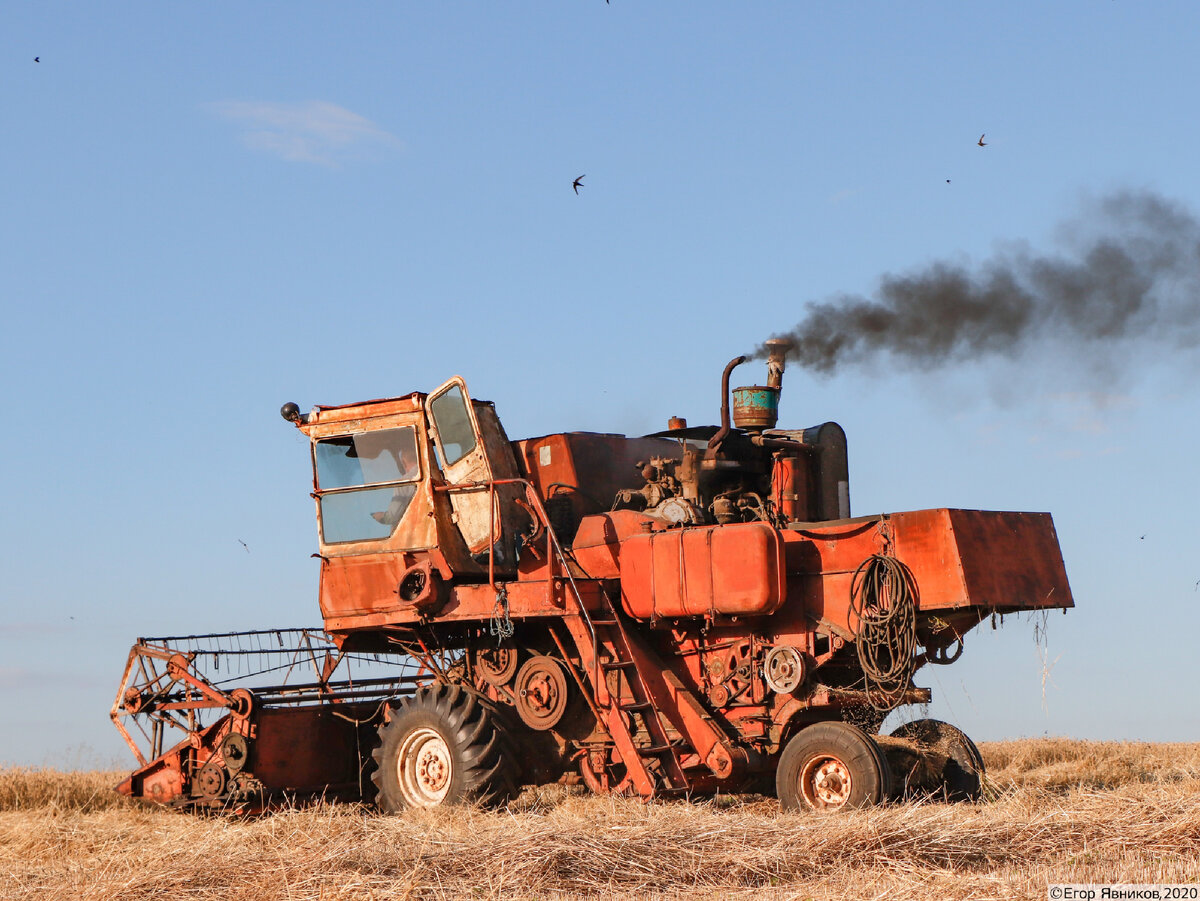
1059,811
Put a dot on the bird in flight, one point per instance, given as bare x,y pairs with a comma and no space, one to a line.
37,59
243,544
980,142
578,183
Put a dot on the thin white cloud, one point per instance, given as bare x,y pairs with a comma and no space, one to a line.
22,630
1053,423
1096,400
314,131
1091,412
841,197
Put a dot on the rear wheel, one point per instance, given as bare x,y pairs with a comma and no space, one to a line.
444,745
959,762
831,766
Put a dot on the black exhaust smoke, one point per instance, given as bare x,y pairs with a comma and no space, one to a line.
1131,271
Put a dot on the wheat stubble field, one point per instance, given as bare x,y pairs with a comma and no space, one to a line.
1058,811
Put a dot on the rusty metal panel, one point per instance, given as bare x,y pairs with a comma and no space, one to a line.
378,414
524,599
467,603
294,749
958,558
827,471
304,749
160,780
1010,560
598,542
361,584
924,541
732,570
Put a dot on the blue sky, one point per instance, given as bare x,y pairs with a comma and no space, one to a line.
211,209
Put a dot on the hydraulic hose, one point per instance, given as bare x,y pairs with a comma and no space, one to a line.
883,601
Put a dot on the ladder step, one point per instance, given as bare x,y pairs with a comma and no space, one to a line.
618,664
604,622
637,705
654,749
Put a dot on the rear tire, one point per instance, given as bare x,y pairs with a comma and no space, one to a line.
962,774
831,766
444,745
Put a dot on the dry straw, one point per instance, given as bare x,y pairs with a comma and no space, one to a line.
1059,811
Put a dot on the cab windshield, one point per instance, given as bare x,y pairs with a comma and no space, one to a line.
365,482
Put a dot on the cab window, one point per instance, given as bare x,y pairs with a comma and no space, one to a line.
365,483
455,431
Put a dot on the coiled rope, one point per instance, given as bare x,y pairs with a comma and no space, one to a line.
883,619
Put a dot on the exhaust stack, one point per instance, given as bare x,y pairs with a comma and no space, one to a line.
756,407
777,351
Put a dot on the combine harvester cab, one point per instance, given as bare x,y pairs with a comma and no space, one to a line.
687,612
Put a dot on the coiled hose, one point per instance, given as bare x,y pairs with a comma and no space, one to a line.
884,621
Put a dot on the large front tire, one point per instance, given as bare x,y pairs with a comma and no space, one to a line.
831,766
443,745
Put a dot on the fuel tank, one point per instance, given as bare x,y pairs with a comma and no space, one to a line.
731,570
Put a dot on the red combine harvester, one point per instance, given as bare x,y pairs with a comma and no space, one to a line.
687,612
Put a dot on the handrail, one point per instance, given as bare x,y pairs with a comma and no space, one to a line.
553,548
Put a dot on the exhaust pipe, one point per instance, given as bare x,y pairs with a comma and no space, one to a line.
715,441
777,351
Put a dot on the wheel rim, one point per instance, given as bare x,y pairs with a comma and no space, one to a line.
424,768
825,783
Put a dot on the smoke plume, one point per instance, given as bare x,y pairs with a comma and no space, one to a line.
1130,271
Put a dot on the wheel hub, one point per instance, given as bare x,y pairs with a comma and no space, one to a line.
432,771
825,783
424,768
541,693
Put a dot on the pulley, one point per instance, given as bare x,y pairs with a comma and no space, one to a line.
784,669
541,690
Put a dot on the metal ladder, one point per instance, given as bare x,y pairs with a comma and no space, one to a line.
654,769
